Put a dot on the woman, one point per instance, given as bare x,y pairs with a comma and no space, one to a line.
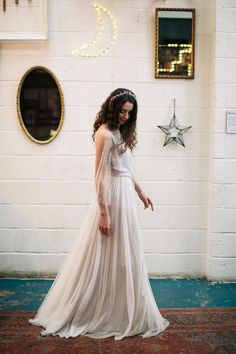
102,288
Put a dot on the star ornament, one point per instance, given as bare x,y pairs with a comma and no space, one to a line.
174,132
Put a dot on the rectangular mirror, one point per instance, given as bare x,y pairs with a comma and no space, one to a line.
174,50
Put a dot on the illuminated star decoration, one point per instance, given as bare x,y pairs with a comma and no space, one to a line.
173,131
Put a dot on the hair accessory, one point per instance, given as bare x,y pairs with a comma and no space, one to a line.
121,94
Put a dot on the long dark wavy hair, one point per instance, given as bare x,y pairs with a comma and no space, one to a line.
109,114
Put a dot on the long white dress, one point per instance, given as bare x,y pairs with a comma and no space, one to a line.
102,288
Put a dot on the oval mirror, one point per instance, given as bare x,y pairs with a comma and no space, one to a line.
40,105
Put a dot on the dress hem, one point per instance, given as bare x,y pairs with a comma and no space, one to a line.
116,336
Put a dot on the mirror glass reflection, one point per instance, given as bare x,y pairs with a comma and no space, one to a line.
40,105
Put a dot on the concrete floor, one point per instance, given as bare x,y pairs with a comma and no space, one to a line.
27,294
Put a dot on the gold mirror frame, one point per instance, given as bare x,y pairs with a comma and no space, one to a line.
19,108
190,75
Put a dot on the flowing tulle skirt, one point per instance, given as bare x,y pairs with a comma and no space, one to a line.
102,288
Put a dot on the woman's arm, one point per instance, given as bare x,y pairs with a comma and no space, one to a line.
142,195
137,186
104,143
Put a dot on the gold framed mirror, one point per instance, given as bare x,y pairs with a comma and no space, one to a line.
175,43
40,105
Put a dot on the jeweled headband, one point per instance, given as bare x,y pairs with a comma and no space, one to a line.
121,94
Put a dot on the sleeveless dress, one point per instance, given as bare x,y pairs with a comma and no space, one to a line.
102,288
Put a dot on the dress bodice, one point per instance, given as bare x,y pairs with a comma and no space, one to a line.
120,164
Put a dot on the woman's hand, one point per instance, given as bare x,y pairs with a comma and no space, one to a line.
145,199
105,224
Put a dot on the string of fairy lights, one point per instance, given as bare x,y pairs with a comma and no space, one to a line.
82,51
187,49
100,10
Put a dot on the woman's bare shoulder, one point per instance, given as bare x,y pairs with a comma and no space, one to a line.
103,131
104,134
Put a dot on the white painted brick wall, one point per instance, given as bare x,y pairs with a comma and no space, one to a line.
222,225
45,191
